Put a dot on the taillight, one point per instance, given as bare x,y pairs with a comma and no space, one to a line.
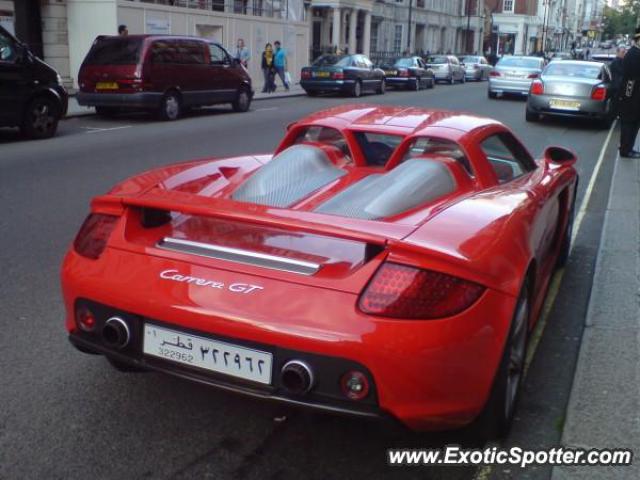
534,75
354,385
306,74
338,75
403,72
400,291
599,93
85,319
93,235
537,88
494,73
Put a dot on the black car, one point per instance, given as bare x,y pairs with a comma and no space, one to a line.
31,93
408,72
351,74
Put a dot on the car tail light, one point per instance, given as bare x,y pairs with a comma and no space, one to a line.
85,319
534,75
400,291
338,75
537,88
354,385
403,72
599,93
494,73
306,74
93,235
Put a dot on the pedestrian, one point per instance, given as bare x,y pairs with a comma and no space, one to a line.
617,76
268,69
280,62
123,31
629,105
587,54
243,55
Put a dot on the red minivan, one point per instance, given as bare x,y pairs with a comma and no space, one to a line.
164,74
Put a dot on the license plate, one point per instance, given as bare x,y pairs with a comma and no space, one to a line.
564,104
213,355
321,74
390,72
106,86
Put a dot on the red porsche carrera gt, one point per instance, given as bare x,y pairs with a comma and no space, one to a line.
383,262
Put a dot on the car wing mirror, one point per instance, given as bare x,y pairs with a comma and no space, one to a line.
559,156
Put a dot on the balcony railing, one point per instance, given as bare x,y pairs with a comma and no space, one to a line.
288,9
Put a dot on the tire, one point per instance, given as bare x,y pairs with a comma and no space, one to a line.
124,367
242,103
170,106
41,118
491,94
357,89
531,116
382,88
565,248
497,415
106,111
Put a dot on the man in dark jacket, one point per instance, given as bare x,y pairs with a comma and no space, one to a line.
617,77
630,100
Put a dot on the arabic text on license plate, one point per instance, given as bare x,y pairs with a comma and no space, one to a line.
564,104
106,86
207,353
321,74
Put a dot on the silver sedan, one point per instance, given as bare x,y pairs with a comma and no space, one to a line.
476,67
572,88
513,75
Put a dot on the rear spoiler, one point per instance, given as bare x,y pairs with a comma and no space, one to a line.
367,231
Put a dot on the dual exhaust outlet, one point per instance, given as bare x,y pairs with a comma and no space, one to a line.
116,333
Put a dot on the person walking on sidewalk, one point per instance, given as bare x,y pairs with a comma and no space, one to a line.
617,77
268,69
630,100
280,62
243,55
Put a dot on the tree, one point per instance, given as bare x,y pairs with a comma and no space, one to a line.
622,21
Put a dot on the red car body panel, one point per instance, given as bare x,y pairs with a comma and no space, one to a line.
429,374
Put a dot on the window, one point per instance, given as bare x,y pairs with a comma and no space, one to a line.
430,146
190,53
325,135
114,51
377,147
218,55
8,51
397,39
508,6
507,157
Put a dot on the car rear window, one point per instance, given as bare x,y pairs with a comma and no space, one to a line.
404,62
522,62
325,135
438,59
431,146
115,51
377,147
572,70
326,60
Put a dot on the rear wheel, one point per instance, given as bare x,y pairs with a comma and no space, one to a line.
41,118
491,94
170,106
382,87
357,89
242,101
531,116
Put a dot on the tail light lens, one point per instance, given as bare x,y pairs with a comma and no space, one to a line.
494,73
93,235
534,75
537,88
400,291
306,74
338,75
599,93
85,319
403,72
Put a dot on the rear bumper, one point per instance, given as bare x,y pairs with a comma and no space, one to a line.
425,373
442,75
473,74
400,81
509,86
588,107
132,100
327,85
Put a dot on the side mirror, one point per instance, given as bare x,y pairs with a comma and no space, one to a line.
559,156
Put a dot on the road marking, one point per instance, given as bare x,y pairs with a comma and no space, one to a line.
96,129
265,109
556,281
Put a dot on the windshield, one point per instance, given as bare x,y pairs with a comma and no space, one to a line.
327,60
404,62
573,70
438,59
522,62
114,51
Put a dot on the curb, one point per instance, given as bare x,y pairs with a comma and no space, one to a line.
255,99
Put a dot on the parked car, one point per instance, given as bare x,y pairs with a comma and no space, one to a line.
364,267
605,58
572,88
476,67
561,56
163,74
350,74
32,96
446,68
513,75
409,73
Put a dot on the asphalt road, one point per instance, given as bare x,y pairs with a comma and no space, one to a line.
68,415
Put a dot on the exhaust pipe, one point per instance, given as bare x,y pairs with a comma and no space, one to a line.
296,377
115,333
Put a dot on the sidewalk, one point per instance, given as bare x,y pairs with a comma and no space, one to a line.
604,407
76,110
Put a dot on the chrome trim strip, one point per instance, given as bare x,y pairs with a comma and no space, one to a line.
238,255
